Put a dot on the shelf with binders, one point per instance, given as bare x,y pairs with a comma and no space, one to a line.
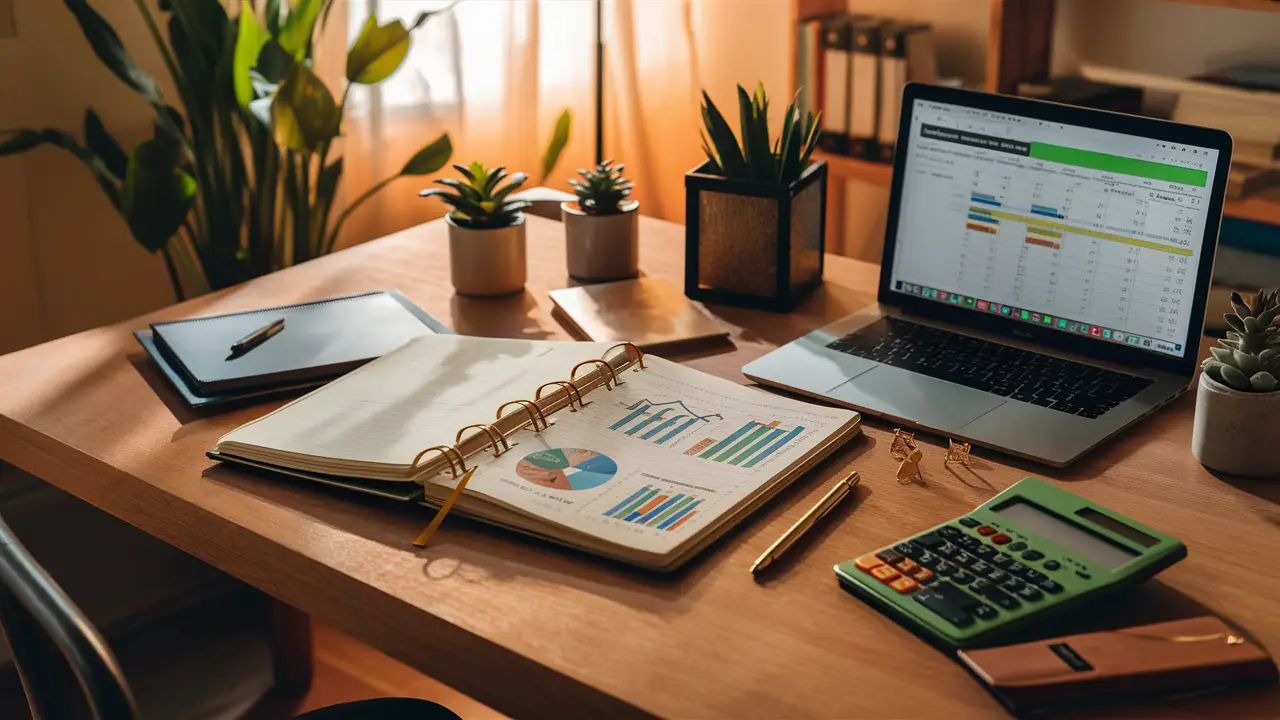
851,168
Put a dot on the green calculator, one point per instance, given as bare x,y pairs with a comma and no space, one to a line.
1026,554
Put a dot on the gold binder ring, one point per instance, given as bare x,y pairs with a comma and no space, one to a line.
535,413
495,437
573,374
449,454
570,389
629,347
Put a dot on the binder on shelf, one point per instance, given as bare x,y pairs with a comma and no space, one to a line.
809,66
906,55
837,51
864,88
650,474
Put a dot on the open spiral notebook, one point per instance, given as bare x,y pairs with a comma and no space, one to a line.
586,444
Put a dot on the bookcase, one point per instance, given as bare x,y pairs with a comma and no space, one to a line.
1019,44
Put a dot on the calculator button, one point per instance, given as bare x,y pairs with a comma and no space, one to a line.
946,550
937,602
906,549
1004,561
1019,569
980,568
929,541
1018,546
945,568
1029,592
1013,584
923,575
961,577
1003,599
1052,565
997,576
986,552
905,566
964,558
889,557
1000,538
985,612
950,533
868,562
968,542
884,574
979,585
927,558
904,585
1049,586
1032,576
986,530
1083,574
970,522
1032,555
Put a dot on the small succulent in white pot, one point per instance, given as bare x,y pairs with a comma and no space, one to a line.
486,230
602,229
1238,400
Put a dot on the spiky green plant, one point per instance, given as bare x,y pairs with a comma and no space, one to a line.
1249,359
477,201
754,160
602,190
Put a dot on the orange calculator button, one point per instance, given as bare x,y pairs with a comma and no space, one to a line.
867,563
922,575
987,530
884,574
906,565
904,585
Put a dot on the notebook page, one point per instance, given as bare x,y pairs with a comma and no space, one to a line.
654,462
418,396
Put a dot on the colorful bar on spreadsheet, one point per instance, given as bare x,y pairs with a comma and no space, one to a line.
983,218
637,413
644,519
1045,232
1118,164
681,521
755,435
634,496
979,210
646,508
984,198
673,510
1042,222
675,519
774,448
729,440
628,510
701,445
1042,242
760,444
981,228
1046,211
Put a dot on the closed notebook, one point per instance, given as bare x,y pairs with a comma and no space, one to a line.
650,312
577,443
320,340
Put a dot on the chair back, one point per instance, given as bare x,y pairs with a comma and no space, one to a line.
46,634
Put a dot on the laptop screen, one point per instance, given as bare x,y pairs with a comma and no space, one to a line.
1085,231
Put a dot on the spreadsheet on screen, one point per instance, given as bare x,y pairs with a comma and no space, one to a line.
1082,230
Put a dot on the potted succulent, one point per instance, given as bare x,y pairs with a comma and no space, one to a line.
1238,401
755,211
486,230
602,227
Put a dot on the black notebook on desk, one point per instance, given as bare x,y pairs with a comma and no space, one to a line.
320,340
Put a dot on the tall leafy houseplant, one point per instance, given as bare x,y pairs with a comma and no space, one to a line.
241,181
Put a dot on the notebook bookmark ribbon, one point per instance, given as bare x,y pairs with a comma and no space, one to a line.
425,537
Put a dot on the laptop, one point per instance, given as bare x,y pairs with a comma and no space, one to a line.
1044,279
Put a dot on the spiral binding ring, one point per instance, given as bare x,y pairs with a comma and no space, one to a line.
573,374
627,346
535,413
495,437
570,389
449,454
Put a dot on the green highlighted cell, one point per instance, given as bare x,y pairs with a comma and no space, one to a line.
1118,164
1044,232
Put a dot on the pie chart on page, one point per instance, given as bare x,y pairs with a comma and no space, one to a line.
567,468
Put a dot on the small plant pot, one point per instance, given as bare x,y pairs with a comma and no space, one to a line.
602,247
486,263
1234,432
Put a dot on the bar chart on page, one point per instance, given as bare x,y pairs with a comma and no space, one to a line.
748,445
655,507
660,421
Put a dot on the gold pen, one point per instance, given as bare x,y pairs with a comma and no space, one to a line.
816,513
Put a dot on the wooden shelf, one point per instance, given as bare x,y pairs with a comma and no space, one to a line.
848,168
1262,5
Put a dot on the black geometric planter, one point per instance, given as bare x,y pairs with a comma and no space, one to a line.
751,244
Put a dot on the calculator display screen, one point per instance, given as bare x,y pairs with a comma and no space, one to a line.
1067,534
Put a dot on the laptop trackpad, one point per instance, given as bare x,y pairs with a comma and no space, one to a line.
916,398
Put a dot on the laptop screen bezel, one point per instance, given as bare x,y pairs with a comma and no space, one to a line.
1041,335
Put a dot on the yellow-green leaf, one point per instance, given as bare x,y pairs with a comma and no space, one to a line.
303,113
377,52
249,41
295,34
430,158
555,146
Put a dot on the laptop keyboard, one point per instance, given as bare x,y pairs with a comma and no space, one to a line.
1063,385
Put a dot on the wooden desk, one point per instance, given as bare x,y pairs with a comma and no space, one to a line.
533,630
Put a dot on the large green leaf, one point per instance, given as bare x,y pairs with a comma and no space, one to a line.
377,52
249,43
303,113
722,137
206,25
274,17
107,46
197,72
295,35
157,193
274,62
104,146
430,158
25,139
555,146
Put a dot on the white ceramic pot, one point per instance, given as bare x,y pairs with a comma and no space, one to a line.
1235,432
602,247
484,263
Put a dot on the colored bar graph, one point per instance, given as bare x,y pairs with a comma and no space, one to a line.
1052,225
983,218
750,438
648,421
761,444
646,508
674,509
624,512
681,521
637,413
660,509
1043,242
658,421
679,429
1046,211
984,198
780,443
729,440
634,497
650,507
979,210
674,521
700,446
661,426
981,228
